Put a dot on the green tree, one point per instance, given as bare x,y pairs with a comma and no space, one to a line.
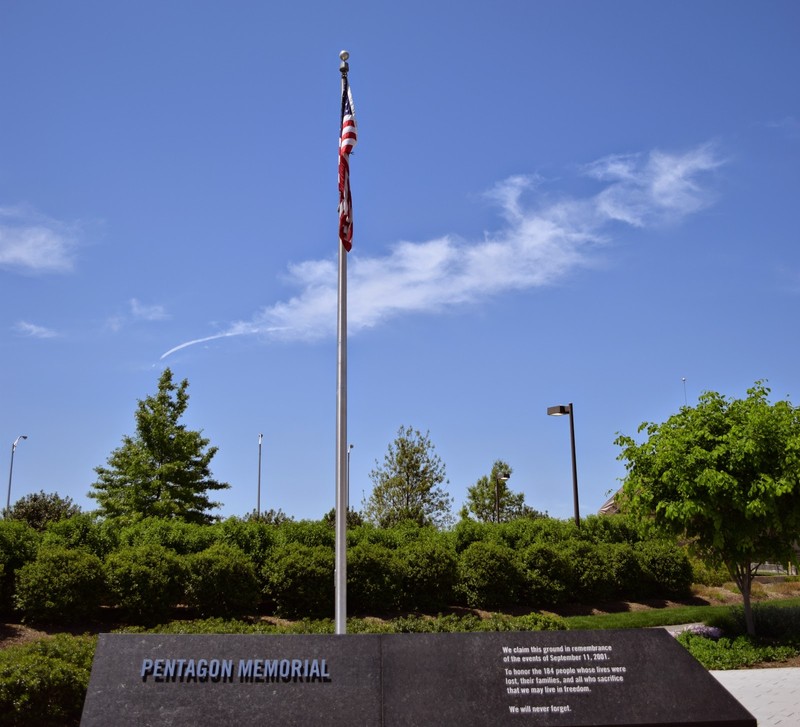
408,484
491,500
38,509
162,471
724,474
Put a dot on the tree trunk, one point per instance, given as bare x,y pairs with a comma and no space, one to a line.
744,579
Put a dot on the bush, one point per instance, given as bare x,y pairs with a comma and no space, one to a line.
299,581
18,545
253,537
44,683
146,581
83,531
429,571
221,581
708,575
488,576
547,575
374,578
38,509
665,567
311,533
60,585
738,653
182,537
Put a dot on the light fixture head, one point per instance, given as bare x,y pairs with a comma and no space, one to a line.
503,476
557,411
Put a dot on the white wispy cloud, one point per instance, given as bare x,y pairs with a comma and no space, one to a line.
539,245
31,330
31,242
137,312
142,312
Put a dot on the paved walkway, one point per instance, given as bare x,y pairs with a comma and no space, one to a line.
772,696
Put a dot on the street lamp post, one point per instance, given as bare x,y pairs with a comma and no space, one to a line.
258,498
11,471
500,477
561,410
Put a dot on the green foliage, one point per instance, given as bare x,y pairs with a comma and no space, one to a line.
18,545
60,585
307,532
354,518
491,500
725,475
738,653
44,683
547,575
38,509
374,578
408,484
773,622
164,470
221,581
665,568
84,531
177,535
488,575
253,537
268,517
299,580
146,581
706,574
429,573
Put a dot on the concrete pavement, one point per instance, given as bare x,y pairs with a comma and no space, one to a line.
772,696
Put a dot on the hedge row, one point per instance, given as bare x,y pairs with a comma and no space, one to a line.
244,567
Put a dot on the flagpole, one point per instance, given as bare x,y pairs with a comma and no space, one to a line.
341,412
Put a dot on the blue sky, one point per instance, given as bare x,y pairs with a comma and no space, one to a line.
554,202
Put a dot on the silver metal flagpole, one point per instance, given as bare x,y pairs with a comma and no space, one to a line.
341,412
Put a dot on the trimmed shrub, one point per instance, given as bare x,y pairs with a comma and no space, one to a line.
547,575
44,683
488,575
18,545
429,571
254,538
468,532
145,581
374,578
708,575
665,567
62,584
221,581
83,531
182,537
299,581
311,533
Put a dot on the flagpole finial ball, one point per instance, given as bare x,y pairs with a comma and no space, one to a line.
344,55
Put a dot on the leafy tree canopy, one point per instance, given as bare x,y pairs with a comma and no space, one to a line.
725,474
491,500
38,509
163,470
408,484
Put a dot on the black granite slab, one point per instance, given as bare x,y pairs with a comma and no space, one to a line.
551,679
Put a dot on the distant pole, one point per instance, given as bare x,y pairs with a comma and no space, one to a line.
11,471
685,400
258,500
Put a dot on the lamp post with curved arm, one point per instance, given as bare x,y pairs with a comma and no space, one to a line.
11,471
561,410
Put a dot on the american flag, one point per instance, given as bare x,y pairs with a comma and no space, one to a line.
347,142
